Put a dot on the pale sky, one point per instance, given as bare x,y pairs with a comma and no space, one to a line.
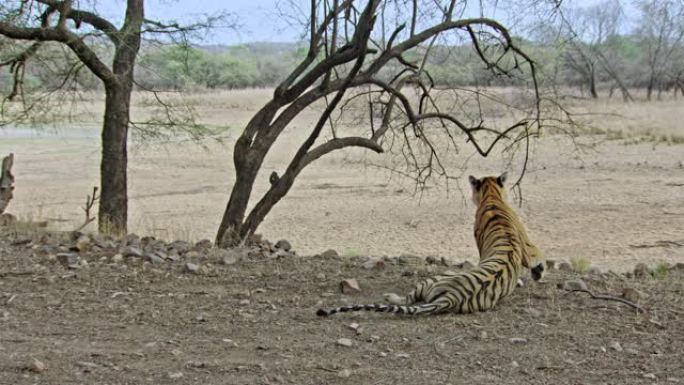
258,19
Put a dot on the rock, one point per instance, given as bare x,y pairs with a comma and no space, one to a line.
344,342
550,264
679,266
354,326
117,258
283,245
281,253
83,243
465,265
330,254
374,264
344,373
191,268
615,346
650,376
244,302
350,286
631,351
36,366
201,317
409,259
518,341
130,240
154,259
574,284
631,294
403,355
320,276
193,254
175,375
131,251
229,260
593,271
69,260
431,260
564,267
7,220
203,244
180,247
514,364
641,270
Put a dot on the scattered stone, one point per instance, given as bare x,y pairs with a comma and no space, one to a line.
650,376
192,268
320,276
574,284
87,366
36,366
203,244
403,355
514,364
679,266
154,259
244,302
330,254
641,270
283,245
201,317
374,264
69,260
615,346
431,260
345,342
131,251
344,373
83,243
631,294
518,341
350,286
408,259
465,265
130,240
175,375
631,351
564,267
593,271
673,379
180,247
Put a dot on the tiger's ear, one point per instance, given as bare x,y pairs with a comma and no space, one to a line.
502,179
474,182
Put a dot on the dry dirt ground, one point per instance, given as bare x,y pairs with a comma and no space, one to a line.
253,323
613,197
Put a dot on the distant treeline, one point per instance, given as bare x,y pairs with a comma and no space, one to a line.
622,59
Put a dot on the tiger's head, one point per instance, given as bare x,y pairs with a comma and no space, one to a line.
487,186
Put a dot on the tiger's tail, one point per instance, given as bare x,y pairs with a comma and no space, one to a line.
428,308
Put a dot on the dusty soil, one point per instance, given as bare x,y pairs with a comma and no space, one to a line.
254,323
608,198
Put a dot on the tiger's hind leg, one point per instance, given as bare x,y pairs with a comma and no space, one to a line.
418,294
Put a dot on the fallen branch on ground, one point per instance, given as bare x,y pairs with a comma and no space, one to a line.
608,298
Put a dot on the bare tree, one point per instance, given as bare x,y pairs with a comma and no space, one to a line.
589,51
661,28
110,53
371,57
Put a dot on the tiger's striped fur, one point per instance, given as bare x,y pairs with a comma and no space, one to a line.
505,249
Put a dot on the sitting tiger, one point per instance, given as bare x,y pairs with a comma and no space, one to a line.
504,250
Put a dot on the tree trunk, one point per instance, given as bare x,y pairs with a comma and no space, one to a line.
6,182
592,84
113,210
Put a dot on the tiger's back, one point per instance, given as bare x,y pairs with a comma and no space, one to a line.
505,250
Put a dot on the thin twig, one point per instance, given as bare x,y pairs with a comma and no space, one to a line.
608,298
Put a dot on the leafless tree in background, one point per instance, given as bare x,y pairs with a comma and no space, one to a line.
661,28
109,52
373,55
589,49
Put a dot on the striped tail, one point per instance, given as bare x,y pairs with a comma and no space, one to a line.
428,308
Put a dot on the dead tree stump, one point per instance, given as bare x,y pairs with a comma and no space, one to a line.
6,182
